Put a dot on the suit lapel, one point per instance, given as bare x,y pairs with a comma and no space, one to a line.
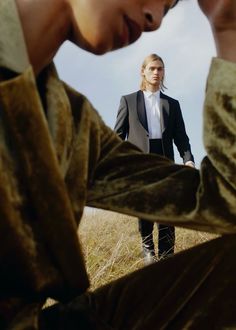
164,112
141,110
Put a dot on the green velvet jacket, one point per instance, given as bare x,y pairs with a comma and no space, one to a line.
57,155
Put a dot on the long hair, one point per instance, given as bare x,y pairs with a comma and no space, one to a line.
147,60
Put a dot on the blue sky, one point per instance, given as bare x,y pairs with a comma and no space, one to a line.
185,43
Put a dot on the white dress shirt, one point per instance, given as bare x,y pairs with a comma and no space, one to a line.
152,104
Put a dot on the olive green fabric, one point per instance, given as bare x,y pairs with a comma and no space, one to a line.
57,156
194,289
203,200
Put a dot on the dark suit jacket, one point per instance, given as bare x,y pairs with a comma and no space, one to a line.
131,124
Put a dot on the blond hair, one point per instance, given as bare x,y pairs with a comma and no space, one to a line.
147,60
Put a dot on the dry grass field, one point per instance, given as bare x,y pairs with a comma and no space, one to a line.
112,244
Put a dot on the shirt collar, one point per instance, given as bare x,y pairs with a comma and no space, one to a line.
13,53
148,94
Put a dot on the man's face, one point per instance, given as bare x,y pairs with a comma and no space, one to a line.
100,26
153,73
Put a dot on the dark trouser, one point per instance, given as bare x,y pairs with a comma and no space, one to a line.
166,234
166,237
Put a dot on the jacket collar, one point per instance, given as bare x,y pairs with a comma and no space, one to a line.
13,53
141,109
164,111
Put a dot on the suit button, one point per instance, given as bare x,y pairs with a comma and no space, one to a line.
147,135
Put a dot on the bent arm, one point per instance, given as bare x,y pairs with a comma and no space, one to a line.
181,139
152,187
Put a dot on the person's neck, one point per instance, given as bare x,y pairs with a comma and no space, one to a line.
46,25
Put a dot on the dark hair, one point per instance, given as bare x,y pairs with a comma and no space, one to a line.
148,59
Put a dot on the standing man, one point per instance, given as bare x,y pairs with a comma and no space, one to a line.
153,121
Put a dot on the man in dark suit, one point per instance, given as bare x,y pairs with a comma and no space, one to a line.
153,121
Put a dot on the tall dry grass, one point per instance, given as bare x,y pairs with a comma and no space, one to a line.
112,245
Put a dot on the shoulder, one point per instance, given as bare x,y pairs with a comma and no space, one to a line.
171,100
167,97
131,95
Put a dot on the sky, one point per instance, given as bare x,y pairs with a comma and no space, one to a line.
185,43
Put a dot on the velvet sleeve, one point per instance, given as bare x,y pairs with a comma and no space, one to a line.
152,187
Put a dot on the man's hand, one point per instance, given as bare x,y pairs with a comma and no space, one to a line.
222,18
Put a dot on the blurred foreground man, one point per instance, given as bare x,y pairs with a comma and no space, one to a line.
57,156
